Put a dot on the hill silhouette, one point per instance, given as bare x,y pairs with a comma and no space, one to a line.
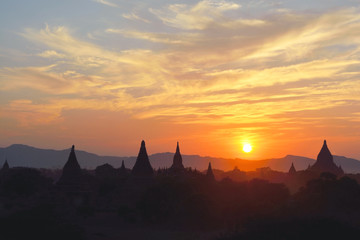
27,156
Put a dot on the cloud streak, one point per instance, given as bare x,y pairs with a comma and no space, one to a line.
209,65
107,3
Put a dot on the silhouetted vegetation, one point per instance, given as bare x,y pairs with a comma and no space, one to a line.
114,203
255,209
38,223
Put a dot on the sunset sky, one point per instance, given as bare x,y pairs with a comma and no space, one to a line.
213,75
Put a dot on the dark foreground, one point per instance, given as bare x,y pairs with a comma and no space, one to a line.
186,206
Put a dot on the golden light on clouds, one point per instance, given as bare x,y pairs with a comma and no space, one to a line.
214,71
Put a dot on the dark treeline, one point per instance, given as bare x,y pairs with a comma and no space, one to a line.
325,207
178,202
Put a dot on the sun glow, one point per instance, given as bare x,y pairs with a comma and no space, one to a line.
247,148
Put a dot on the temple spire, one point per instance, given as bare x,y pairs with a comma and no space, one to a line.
209,173
177,160
122,169
292,169
5,166
325,162
71,171
142,167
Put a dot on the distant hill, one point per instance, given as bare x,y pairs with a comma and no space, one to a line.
23,155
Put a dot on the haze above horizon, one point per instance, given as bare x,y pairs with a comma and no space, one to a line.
214,75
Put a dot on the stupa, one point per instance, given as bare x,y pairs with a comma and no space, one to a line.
292,169
177,160
325,162
209,173
71,173
5,166
142,167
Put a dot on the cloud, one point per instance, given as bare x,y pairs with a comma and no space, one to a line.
183,38
211,70
197,16
133,16
107,3
51,54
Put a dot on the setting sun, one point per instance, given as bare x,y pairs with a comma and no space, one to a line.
247,148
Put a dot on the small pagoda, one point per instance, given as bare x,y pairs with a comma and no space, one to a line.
5,166
209,174
292,170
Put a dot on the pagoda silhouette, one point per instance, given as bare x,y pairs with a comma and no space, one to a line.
5,166
71,173
122,170
142,167
209,174
177,165
325,162
106,171
292,170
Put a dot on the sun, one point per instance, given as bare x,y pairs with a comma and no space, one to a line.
247,148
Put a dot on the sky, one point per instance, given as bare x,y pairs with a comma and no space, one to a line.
213,75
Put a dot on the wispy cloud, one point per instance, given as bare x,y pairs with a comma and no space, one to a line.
51,54
133,16
197,16
107,3
182,38
210,68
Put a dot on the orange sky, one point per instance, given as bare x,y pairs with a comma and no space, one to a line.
210,74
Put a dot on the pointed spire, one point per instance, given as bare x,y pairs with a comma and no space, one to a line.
325,162
177,160
292,169
209,173
6,165
142,167
177,147
71,171
325,154
122,169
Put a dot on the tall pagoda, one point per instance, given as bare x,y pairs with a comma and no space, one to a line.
325,162
71,173
209,174
177,160
142,167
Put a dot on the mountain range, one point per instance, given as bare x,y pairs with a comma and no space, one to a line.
27,156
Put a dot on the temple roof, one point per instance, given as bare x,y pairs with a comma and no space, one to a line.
122,169
6,165
325,162
71,171
177,160
72,162
209,173
325,154
142,167
292,169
